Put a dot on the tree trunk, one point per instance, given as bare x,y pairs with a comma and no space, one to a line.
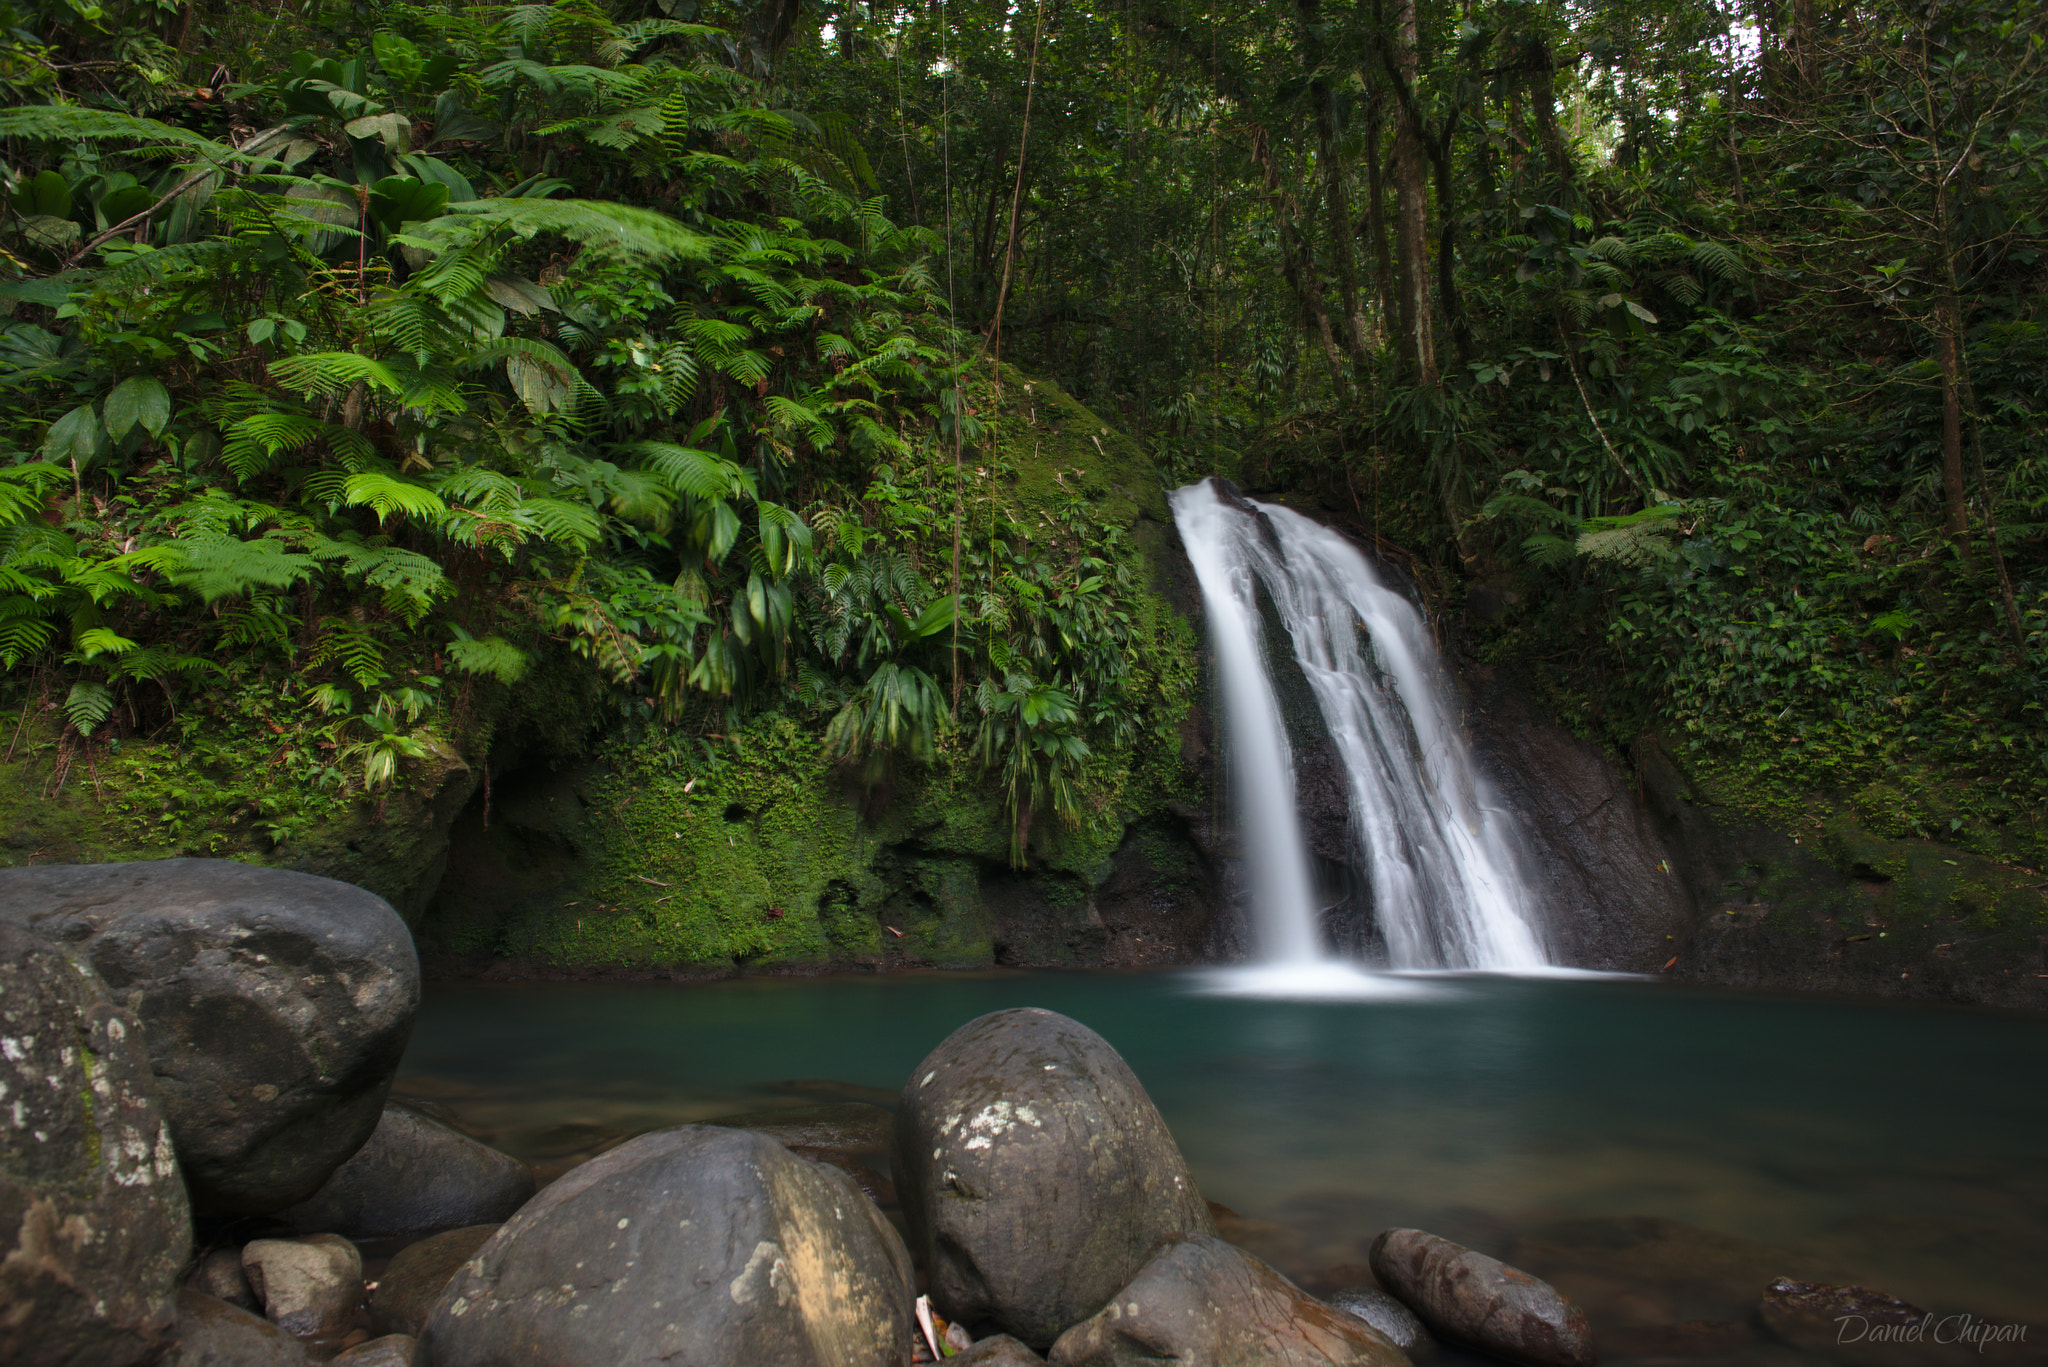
1376,215
1948,336
1411,209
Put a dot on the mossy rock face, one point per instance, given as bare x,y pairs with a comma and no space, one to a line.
1815,898
65,804
753,850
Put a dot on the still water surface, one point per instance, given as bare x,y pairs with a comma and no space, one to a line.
1657,1151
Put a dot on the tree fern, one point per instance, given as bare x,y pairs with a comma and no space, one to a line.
386,495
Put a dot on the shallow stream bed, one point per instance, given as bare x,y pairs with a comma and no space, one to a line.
1658,1152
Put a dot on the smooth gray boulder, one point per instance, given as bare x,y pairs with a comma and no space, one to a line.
1035,1174
715,1247
94,1227
1394,1320
1200,1300
309,1287
212,1333
415,1176
413,1280
275,1006
1471,1298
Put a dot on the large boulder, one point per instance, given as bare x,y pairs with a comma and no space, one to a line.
1201,1300
1035,1174
94,1227
414,1279
710,1246
1471,1298
212,1333
415,1176
276,1006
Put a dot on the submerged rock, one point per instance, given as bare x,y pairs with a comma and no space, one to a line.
212,1333
414,1279
94,1226
309,1287
1383,1312
1847,1323
275,1005
710,1246
1200,1300
1035,1174
1467,1296
393,1350
845,1126
415,1176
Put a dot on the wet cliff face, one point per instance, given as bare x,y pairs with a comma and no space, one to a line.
1613,898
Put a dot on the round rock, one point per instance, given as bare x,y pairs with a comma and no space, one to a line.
212,1333
1467,1296
1394,1320
94,1226
415,1176
219,1274
414,1279
275,1005
1202,1300
309,1287
393,1350
1035,1174
715,1247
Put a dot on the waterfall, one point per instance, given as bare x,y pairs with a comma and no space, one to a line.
1436,847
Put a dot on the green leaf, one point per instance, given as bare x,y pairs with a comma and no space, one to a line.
45,195
392,129
1639,311
493,655
400,60
138,400
78,438
87,705
398,200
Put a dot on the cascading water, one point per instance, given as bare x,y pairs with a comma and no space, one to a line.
1436,848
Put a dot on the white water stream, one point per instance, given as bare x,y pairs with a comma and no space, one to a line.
1431,839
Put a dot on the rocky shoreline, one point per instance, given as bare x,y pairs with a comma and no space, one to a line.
202,1165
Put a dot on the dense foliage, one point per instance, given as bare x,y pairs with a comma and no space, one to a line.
359,357
1697,338
341,387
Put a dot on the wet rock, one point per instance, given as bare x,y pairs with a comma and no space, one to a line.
212,1333
1849,1323
415,1176
414,1279
846,1126
94,1227
393,1350
872,1184
1649,1280
1199,1299
696,1244
1035,1174
999,1350
308,1287
219,1274
1467,1296
1393,1319
275,1006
